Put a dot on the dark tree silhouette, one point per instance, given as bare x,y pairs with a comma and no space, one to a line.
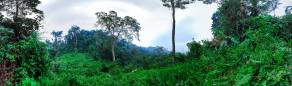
72,37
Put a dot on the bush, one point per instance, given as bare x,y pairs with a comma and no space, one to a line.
29,82
195,49
5,35
30,56
286,29
261,59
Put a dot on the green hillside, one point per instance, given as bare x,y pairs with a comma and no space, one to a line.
248,44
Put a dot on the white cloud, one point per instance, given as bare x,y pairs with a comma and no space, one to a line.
152,22
155,19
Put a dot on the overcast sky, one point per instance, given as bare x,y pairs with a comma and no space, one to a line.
192,23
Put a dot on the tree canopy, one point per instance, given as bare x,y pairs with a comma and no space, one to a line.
118,27
22,16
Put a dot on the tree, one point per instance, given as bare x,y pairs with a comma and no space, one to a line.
180,4
57,39
173,4
256,7
117,27
216,20
5,35
23,51
286,30
22,16
235,14
57,36
288,10
102,45
72,37
195,49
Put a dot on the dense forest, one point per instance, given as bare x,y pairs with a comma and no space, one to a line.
249,47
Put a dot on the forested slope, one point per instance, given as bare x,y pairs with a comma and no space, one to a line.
249,62
249,47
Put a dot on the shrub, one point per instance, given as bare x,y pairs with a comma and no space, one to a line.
286,29
31,56
195,49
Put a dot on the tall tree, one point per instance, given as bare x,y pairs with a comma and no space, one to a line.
72,37
57,41
118,27
22,16
57,36
173,5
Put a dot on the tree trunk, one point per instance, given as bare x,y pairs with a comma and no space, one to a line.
17,9
15,19
113,51
173,30
75,46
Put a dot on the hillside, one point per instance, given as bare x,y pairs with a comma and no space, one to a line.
137,43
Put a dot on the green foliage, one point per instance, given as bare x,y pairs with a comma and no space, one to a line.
117,27
72,38
233,16
262,59
78,69
31,57
195,49
22,16
5,35
19,45
249,48
125,28
97,44
29,82
42,81
286,29
55,48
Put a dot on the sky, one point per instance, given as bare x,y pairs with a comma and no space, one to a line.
193,23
